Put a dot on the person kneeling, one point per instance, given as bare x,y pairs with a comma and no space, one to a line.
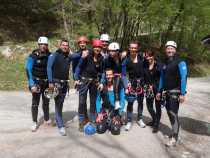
109,116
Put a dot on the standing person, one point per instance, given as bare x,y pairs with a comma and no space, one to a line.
82,42
36,68
173,80
151,78
105,43
58,75
87,75
114,62
134,88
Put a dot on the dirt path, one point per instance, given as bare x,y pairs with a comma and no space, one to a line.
16,140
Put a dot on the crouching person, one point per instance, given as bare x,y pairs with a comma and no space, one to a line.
109,116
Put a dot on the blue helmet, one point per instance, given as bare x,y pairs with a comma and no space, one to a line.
89,129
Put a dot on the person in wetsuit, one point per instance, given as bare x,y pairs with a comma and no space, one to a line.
58,75
173,81
87,76
151,78
36,68
134,86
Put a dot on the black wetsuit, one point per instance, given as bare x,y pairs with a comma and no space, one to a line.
136,78
89,73
152,78
36,68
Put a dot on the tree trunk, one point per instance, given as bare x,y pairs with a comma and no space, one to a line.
65,20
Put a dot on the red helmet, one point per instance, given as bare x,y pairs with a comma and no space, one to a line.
82,39
96,43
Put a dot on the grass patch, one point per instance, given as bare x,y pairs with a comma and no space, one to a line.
199,70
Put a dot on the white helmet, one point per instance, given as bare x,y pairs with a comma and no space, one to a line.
113,46
171,43
43,40
105,37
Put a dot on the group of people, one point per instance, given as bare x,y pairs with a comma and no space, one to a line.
112,77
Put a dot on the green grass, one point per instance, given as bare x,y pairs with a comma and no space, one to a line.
13,76
199,70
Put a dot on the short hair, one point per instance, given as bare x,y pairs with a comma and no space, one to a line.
134,42
64,40
108,69
150,52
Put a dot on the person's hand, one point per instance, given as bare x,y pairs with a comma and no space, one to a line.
76,83
51,86
34,89
150,87
182,98
158,95
100,87
85,53
123,54
99,118
126,91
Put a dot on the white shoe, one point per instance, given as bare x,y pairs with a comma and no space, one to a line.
34,127
172,142
62,131
141,123
47,123
128,126
117,105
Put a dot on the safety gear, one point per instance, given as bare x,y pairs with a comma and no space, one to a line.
51,94
102,126
114,46
43,40
37,87
131,97
96,43
89,129
105,37
39,69
82,39
148,92
115,125
171,43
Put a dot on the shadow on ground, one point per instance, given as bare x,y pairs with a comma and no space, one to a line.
195,126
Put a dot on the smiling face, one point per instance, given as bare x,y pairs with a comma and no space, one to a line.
64,46
109,75
133,48
82,45
105,45
43,47
96,50
170,51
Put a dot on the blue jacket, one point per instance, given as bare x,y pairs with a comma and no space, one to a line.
173,75
111,99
